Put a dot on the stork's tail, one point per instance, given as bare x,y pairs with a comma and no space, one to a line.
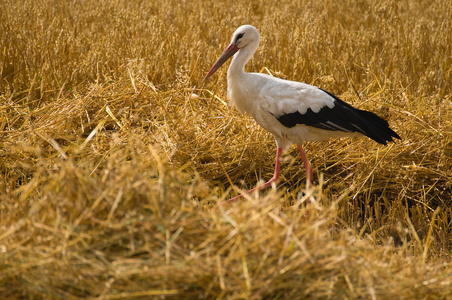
367,123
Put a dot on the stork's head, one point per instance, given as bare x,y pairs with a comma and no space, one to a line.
245,35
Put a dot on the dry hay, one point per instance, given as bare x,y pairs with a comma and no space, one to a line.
112,170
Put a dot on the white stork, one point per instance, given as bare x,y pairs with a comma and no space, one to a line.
293,112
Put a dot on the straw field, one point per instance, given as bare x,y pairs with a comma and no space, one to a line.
112,171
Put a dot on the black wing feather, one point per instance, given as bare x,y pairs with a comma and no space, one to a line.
343,117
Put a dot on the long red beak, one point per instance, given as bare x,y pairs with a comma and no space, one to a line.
230,51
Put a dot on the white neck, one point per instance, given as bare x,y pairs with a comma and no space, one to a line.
237,67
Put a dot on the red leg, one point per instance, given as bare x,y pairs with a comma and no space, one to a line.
268,183
307,165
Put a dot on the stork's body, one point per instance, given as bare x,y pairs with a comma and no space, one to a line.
293,112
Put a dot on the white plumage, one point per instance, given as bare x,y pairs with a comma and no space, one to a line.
293,112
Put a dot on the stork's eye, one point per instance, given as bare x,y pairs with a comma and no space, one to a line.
239,36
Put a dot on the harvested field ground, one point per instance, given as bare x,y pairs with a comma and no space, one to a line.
112,171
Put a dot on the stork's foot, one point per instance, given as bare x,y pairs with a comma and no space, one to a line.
275,178
258,188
